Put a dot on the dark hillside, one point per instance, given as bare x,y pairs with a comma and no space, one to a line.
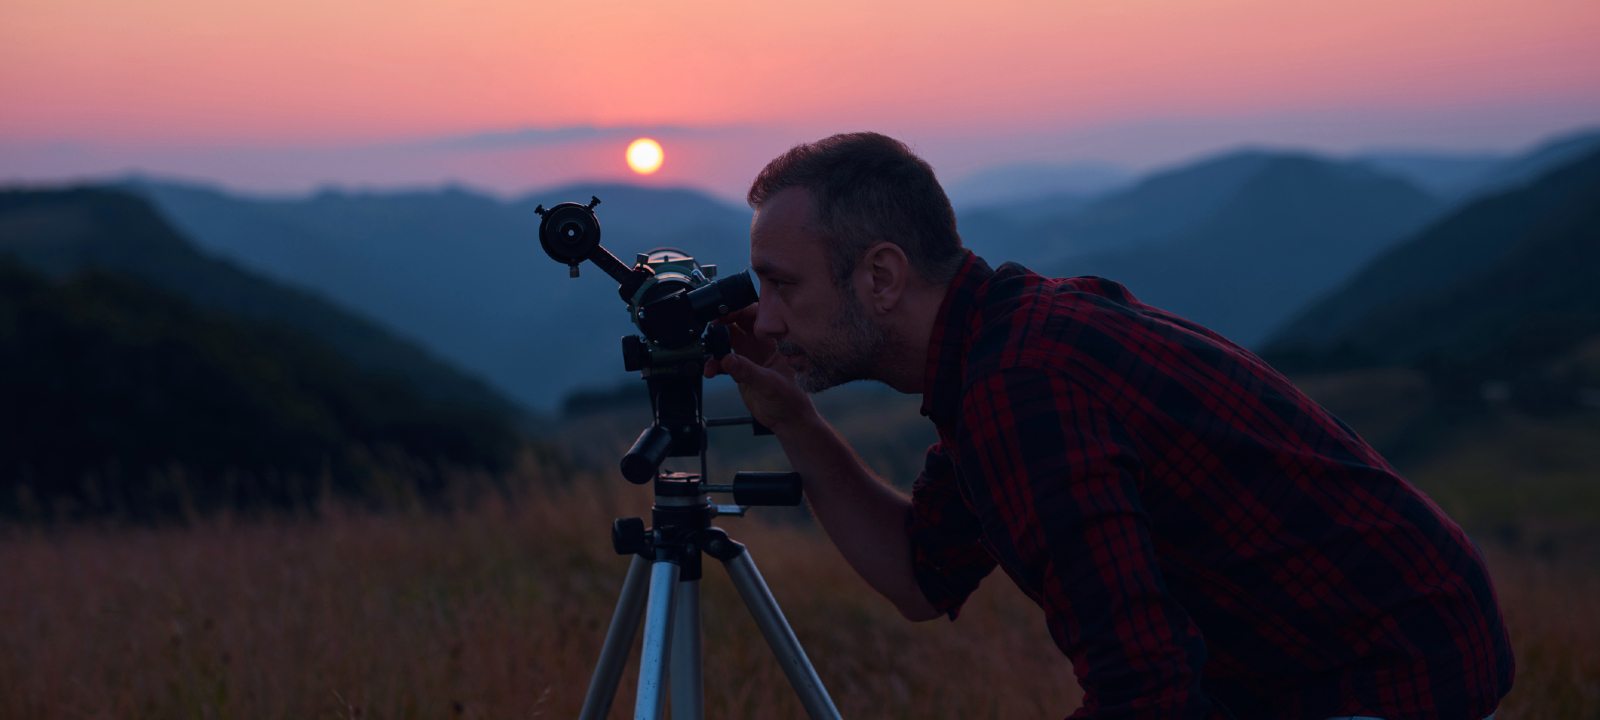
120,399
62,231
1512,278
1294,228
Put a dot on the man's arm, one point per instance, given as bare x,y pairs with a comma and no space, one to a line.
863,516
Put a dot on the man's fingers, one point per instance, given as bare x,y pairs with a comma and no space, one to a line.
736,367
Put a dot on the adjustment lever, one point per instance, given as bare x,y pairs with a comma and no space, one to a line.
762,488
758,428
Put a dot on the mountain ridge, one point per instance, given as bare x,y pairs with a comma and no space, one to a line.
1295,226
65,230
463,271
1403,300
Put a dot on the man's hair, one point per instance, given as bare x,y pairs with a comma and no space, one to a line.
868,188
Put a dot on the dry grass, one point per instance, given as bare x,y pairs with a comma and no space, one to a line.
1552,610
499,612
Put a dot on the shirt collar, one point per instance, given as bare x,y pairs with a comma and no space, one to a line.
941,396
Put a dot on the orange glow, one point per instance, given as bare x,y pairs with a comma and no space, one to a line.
369,70
644,156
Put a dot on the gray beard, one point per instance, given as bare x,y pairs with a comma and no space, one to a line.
851,354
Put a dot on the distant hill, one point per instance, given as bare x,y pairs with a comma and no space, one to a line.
1289,228
1026,182
1044,232
1446,176
463,271
58,232
1539,160
121,399
1525,261
1456,177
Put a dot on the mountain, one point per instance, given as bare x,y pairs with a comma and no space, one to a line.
1045,232
118,398
1024,182
1516,273
58,232
1446,176
463,271
1540,159
1291,227
1457,177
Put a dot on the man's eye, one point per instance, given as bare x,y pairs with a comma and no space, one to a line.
776,284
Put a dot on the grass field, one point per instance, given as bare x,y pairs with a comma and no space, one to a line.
499,611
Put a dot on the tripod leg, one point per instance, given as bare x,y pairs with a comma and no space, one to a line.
619,641
651,700
688,688
781,637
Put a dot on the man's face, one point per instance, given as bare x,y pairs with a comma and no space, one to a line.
824,333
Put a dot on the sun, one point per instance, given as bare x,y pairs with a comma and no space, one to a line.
644,156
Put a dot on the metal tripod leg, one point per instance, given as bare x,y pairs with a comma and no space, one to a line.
619,642
791,657
688,687
651,700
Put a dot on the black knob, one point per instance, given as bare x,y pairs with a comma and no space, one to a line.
628,536
635,354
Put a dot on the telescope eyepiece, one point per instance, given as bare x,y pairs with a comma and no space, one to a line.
723,296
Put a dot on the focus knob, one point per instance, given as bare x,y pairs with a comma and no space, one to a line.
718,341
628,536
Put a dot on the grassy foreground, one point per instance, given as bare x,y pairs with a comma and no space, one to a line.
499,612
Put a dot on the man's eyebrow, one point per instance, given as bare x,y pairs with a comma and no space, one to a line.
764,268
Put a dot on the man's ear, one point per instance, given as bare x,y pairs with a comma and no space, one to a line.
883,274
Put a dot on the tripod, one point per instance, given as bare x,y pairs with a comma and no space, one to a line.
671,299
666,566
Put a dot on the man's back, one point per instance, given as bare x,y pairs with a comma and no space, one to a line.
1195,527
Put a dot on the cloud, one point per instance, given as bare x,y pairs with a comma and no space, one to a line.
542,137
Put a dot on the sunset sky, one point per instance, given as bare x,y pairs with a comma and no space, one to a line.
290,94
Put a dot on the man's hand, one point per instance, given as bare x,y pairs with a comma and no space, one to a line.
766,382
864,516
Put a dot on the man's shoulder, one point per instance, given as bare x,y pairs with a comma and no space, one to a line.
1013,287
1083,326
1022,317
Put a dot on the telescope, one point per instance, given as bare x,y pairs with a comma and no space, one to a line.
672,300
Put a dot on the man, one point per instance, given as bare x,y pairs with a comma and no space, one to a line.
1205,541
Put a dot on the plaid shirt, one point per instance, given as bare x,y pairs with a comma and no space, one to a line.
1204,539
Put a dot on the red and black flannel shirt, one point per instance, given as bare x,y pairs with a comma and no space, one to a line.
1204,539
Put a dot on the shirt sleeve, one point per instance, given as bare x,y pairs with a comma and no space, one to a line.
947,558
1063,476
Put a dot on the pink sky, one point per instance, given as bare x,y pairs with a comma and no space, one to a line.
196,86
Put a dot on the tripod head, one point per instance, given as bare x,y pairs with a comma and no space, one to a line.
672,300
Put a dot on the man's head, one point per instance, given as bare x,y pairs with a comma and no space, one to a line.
849,233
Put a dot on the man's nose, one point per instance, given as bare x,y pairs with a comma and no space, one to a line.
768,325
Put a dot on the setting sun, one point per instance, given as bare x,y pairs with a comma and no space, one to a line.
644,156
